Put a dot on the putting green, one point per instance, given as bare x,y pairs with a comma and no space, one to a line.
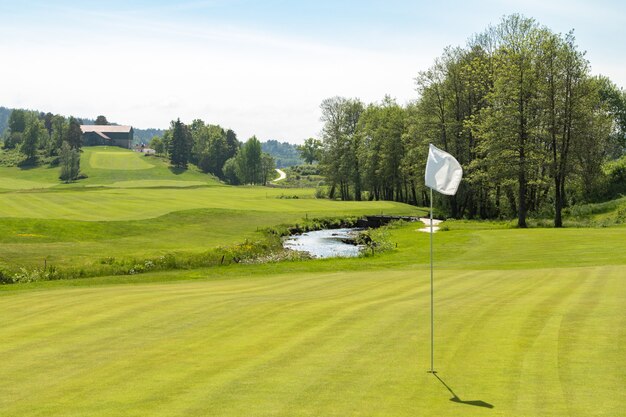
545,342
127,161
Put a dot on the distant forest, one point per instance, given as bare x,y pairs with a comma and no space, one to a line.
285,154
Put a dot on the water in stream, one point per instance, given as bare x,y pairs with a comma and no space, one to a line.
327,243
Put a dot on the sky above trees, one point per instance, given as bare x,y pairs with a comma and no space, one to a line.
257,67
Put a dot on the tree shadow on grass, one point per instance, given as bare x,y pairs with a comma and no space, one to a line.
455,398
27,164
177,170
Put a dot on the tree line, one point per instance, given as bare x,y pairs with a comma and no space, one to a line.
47,136
215,151
518,107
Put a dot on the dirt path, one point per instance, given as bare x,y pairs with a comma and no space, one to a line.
282,175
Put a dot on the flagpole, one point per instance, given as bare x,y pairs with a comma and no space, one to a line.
432,304
443,174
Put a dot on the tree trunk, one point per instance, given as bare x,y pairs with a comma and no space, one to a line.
558,203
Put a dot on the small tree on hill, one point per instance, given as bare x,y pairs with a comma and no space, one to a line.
69,159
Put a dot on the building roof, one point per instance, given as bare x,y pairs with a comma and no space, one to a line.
102,135
105,129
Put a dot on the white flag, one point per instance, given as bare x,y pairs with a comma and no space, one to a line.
443,172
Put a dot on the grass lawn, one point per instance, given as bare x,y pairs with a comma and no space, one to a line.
543,342
528,322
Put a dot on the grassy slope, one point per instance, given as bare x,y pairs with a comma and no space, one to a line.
529,321
103,166
137,207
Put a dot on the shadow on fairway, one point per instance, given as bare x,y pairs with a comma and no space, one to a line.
456,399
177,170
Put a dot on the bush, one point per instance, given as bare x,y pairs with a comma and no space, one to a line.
615,177
24,275
320,192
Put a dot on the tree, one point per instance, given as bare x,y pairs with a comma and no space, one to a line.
47,121
180,148
268,167
157,144
509,125
31,139
17,125
310,150
59,132
101,120
69,159
341,143
74,134
17,121
231,171
250,162
232,144
614,100
565,85
380,156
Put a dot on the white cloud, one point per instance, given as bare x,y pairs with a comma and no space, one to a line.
139,69
255,83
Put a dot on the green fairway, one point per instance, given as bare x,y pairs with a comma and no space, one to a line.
543,342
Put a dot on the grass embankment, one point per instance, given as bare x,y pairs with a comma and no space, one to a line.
530,322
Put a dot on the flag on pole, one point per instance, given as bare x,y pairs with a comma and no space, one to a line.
443,171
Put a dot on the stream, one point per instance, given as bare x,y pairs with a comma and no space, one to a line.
327,243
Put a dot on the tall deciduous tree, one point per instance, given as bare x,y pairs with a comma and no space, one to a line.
250,162
341,144
268,168
32,135
311,150
59,131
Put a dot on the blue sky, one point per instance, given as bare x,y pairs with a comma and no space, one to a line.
257,67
